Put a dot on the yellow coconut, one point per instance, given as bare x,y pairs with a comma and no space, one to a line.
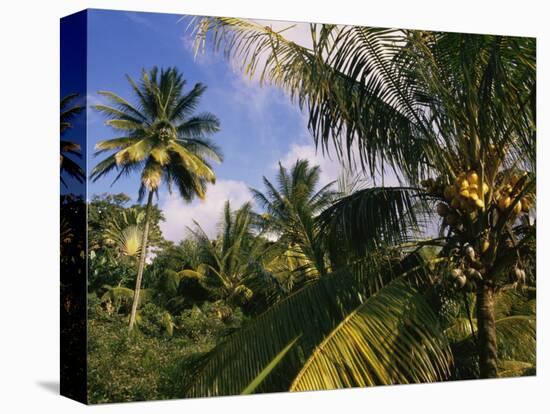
485,188
504,202
480,203
473,177
485,245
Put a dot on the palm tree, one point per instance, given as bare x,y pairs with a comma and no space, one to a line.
229,263
290,209
162,140
69,166
452,115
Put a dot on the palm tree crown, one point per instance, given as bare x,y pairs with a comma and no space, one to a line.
160,136
291,207
228,263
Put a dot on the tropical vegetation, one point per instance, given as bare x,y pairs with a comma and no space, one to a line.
311,286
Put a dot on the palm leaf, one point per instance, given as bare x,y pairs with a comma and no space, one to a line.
392,338
372,217
267,370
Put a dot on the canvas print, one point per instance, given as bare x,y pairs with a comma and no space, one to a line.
253,206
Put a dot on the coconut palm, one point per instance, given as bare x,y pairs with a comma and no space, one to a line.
452,115
290,209
229,263
69,166
161,140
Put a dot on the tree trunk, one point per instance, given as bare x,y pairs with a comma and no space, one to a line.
142,258
487,336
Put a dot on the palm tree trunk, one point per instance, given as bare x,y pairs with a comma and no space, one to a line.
142,258
487,337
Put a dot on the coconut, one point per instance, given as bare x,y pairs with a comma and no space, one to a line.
448,193
460,282
442,209
473,274
504,202
485,245
470,252
456,273
473,177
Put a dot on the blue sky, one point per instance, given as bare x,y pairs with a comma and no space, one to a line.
259,125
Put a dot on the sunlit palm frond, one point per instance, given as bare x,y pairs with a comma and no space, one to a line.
392,338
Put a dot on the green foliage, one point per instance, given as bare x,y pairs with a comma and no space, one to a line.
312,312
320,289
113,228
149,363
228,266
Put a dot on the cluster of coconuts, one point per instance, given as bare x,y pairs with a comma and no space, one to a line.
466,276
508,192
467,193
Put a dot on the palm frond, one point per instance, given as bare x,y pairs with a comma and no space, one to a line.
267,370
392,338
374,217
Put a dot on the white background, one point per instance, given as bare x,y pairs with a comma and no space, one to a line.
29,184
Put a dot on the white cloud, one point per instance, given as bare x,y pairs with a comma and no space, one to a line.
179,215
